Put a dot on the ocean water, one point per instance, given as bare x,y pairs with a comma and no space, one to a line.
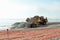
53,20
5,23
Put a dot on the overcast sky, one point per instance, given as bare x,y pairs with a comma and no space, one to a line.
28,8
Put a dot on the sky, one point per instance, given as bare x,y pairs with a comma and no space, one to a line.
27,8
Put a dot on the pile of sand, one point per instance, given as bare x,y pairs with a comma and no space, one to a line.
24,25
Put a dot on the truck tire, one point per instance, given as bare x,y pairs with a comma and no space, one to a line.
33,26
44,23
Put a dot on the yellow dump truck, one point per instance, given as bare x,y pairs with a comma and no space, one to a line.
36,21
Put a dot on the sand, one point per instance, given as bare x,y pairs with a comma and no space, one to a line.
37,34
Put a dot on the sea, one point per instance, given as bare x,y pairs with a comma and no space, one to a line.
6,23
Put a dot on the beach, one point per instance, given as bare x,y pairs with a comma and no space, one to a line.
44,32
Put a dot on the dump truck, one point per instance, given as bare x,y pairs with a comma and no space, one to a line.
36,21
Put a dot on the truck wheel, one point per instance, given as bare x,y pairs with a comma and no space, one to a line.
33,26
44,23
